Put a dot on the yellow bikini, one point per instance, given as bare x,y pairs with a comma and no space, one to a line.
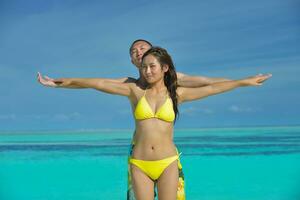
165,112
155,168
143,111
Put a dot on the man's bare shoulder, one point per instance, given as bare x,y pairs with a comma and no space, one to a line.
129,80
122,80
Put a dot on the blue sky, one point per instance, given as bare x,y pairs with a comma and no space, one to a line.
232,39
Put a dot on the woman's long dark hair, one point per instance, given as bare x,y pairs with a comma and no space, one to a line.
170,78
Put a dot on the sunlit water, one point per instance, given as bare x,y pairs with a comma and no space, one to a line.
219,164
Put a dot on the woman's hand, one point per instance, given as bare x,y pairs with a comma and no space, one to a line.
255,80
50,82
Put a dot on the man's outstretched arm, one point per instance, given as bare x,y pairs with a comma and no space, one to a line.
185,80
121,80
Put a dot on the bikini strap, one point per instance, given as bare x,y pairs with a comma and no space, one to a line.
167,94
178,152
145,91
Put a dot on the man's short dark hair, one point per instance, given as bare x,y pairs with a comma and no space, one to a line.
139,40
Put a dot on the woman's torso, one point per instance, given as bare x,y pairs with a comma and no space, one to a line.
153,138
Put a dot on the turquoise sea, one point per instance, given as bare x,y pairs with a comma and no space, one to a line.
261,163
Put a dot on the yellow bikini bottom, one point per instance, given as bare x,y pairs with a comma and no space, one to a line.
155,168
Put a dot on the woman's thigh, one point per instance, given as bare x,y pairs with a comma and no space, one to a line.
167,183
143,186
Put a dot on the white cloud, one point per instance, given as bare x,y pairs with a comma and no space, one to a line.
60,116
66,117
194,110
236,108
8,117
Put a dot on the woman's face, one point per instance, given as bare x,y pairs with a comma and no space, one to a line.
152,69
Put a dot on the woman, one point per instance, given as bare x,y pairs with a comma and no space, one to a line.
154,157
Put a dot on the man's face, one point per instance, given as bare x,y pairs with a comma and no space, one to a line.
137,52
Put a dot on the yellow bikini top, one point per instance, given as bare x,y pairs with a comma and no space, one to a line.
144,111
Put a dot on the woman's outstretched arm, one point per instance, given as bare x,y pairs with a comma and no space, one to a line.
190,94
104,85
